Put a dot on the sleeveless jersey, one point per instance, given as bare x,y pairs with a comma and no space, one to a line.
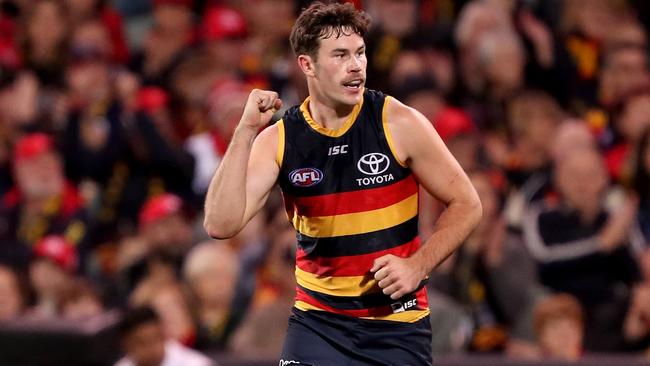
351,201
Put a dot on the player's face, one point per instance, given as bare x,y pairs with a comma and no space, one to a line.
340,68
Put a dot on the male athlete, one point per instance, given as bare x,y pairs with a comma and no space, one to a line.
349,161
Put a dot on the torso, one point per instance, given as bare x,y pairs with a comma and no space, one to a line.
351,200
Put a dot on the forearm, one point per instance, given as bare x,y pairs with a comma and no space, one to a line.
225,202
452,228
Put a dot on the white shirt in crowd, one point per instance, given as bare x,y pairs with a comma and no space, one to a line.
176,355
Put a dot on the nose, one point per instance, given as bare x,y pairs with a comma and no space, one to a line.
354,65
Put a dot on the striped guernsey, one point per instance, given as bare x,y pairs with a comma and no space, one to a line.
351,201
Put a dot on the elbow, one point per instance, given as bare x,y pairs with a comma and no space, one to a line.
475,210
217,231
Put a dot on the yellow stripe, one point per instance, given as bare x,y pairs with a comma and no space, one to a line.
280,153
337,286
410,316
389,137
301,305
304,108
358,222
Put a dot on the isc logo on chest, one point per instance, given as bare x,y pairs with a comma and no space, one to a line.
305,177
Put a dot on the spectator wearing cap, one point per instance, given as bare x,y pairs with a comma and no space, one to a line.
144,343
41,203
164,237
167,43
223,32
164,224
51,274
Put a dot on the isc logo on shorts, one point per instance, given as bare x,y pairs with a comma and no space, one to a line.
290,362
399,307
305,177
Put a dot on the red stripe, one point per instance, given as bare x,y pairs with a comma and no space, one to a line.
356,201
354,265
377,311
422,298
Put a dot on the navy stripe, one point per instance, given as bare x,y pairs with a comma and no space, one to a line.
367,301
357,244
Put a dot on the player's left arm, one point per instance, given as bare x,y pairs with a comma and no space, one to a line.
417,144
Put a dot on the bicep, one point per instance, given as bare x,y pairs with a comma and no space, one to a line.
262,171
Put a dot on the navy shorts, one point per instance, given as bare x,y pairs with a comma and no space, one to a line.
319,338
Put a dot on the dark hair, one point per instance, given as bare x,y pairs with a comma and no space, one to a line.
321,20
135,317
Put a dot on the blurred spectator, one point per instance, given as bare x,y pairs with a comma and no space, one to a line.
584,26
164,225
119,148
85,10
41,203
165,295
44,46
533,119
559,323
218,304
571,135
166,43
389,36
13,294
223,32
145,344
273,300
51,275
475,19
641,182
81,301
637,321
630,119
491,276
583,249
266,47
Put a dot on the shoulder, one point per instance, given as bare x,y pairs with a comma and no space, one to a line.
409,130
398,115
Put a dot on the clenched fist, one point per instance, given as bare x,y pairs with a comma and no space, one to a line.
396,276
260,107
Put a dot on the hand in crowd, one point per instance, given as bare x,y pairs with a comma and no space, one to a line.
618,226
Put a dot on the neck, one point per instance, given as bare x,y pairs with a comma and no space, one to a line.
327,113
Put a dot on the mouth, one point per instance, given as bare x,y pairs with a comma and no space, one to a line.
354,84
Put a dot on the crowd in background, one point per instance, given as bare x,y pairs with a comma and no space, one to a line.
115,114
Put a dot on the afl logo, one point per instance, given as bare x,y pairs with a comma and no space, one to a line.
373,163
305,177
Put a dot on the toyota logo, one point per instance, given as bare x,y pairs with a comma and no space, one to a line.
373,163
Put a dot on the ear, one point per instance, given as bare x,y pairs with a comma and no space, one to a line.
306,64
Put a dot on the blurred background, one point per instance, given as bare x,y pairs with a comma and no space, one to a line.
115,114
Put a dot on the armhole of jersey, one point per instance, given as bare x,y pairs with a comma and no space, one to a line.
389,137
279,155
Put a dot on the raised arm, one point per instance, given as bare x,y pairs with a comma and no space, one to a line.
417,144
247,172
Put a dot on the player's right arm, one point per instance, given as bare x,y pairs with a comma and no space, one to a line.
248,170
